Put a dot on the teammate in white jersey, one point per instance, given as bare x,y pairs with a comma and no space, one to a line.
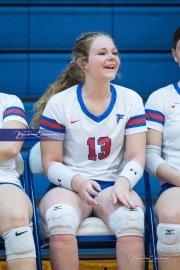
15,206
96,155
163,162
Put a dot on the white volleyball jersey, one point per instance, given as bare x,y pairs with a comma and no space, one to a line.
11,108
163,114
94,145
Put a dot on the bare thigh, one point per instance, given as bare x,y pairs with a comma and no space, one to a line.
168,206
64,196
15,208
107,206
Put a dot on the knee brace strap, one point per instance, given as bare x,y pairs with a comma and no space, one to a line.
168,239
19,243
62,219
127,221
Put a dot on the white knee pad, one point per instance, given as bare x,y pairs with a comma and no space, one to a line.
127,221
19,243
62,219
168,239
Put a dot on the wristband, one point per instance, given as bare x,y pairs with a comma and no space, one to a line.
133,171
60,175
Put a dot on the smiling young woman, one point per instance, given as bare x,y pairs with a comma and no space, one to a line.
99,156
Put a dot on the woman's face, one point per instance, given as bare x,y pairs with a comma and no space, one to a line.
176,52
103,62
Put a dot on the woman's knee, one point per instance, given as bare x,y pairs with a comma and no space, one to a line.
171,215
170,218
17,218
167,206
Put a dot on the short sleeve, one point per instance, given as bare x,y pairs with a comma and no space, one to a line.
14,110
136,121
155,116
52,123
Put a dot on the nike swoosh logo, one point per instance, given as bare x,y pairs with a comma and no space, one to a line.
17,234
72,122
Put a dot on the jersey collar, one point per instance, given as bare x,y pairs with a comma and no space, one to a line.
177,88
90,115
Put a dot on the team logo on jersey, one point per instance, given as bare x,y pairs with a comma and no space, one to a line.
173,106
119,117
72,122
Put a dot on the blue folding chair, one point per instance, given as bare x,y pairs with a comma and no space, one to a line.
150,228
95,239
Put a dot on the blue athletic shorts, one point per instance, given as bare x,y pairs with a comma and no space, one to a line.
103,185
164,187
5,183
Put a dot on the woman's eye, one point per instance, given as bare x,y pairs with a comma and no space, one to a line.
101,53
115,53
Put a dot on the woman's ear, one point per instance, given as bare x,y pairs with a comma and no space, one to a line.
82,64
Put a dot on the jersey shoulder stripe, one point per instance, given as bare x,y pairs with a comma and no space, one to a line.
51,124
155,116
14,111
136,121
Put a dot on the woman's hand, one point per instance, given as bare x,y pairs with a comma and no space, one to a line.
121,192
85,188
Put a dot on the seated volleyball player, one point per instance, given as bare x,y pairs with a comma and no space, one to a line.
163,162
15,206
98,124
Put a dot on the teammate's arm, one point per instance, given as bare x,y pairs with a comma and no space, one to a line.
10,149
164,171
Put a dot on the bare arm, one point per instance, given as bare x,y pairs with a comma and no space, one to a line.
51,151
135,148
10,149
135,151
164,171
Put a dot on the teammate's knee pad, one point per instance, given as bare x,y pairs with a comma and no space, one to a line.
168,239
19,243
62,219
127,221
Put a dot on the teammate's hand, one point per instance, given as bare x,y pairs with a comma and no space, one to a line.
121,192
85,188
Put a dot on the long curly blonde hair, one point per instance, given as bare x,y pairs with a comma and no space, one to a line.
72,75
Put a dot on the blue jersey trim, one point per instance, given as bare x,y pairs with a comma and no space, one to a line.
155,116
51,124
155,120
52,129
90,115
135,125
177,88
14,114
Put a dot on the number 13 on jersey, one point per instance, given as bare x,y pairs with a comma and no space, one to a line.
104,142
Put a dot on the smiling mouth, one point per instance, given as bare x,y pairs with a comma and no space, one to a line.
113,67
